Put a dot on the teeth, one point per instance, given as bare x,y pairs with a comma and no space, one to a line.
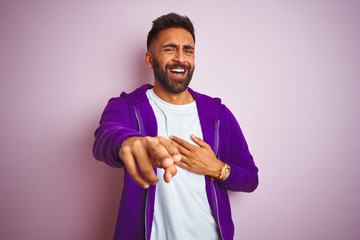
178,70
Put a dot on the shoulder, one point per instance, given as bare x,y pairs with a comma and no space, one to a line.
126,101
205,99
136,97
211,106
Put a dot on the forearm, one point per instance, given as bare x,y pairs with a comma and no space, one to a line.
108,141
117,123
240,179
235,152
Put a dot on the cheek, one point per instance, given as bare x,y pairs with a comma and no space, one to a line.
191,61
163,61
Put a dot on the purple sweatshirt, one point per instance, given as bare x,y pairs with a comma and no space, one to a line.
132,115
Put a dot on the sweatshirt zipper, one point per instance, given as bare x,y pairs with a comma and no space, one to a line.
216,144
216,148
141,130
139,120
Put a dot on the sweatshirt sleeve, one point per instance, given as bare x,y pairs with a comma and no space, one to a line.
117,123
244,174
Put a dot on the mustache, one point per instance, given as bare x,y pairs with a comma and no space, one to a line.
177,66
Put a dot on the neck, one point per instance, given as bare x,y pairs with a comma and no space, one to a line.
182,98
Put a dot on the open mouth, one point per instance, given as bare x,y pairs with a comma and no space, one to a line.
177,72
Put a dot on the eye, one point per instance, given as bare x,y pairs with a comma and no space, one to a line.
189,51
169,50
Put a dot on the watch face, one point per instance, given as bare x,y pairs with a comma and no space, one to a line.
226,172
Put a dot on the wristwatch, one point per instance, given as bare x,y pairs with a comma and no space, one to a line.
224,172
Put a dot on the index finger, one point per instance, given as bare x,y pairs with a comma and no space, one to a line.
200,142
131,167
182,142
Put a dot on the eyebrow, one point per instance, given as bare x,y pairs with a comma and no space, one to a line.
188,47
176,46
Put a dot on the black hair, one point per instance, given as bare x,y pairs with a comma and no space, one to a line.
170,20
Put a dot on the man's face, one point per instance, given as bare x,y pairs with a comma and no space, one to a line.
173,55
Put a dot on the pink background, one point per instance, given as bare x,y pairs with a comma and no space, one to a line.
289,71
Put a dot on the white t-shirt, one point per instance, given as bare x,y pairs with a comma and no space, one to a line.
181,207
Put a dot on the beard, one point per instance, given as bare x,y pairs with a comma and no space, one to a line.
172,85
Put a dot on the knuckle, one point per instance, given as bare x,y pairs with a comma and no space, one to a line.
132,172
135,144
156,151
125,149
161,138
173,148
122,153
152,179
146,171
174,171
152,148
147,139
149,175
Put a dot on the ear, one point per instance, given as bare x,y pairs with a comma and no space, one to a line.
148,60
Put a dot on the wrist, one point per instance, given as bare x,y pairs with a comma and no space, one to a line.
216,169
222,172
215,172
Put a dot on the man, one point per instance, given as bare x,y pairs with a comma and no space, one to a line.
181,150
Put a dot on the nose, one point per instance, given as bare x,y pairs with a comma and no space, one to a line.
180,56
